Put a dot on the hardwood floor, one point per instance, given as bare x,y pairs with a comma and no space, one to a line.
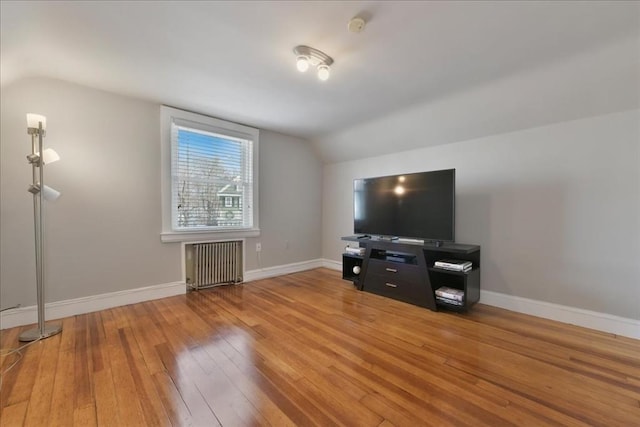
307,349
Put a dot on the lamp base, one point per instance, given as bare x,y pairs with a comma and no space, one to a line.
34,334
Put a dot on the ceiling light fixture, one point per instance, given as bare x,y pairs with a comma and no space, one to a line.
323,72
307,56
302,63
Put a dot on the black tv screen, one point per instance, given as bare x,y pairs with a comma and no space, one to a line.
417,205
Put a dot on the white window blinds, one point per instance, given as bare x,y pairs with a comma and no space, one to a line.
209,167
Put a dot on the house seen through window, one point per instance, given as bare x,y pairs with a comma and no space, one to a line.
212,179
209,177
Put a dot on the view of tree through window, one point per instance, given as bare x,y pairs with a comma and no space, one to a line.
210,169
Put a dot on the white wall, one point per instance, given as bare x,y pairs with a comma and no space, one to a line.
599,81
556,209
103,234
290,203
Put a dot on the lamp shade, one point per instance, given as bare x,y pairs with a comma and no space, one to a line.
49,156
33,121
50,194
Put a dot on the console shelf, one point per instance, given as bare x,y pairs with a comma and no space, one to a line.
348,262
405,271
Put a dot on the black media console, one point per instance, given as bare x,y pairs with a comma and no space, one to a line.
405,271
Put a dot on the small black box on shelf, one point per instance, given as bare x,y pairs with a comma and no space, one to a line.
407,259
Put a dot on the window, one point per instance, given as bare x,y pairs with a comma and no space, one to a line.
209,168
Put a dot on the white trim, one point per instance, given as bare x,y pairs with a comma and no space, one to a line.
575,316
281,270
562,313
331,264
167,116
207,236
71,307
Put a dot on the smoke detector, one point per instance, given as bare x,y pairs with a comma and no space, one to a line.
356,25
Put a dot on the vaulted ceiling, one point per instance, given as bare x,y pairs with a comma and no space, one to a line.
446,63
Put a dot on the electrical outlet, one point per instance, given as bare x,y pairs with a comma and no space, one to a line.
258,247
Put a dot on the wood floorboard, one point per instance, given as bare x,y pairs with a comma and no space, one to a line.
308,349
40,401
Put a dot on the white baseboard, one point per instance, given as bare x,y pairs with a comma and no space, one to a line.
331,264
60,309
281,270
562,313
575,316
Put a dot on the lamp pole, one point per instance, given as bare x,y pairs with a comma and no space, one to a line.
37,188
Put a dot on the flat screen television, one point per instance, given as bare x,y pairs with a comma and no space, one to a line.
416,205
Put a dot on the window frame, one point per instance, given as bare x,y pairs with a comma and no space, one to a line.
167,116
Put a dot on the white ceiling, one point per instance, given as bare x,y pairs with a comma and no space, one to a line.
234,60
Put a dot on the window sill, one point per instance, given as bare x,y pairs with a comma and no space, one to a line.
199,236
